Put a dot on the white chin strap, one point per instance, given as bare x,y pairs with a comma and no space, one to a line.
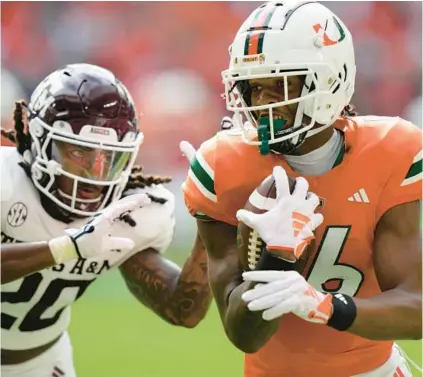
316,131
298,117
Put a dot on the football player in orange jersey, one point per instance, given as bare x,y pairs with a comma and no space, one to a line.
289,83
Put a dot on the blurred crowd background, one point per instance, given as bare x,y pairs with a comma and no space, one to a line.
170,55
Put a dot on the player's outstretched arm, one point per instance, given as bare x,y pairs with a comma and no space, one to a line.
179,296
397,312
245,329
19,260
22,259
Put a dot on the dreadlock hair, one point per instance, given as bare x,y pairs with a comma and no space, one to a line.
139,180
22,139
18,136
349,111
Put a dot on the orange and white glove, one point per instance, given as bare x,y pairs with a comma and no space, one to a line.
286,292
289,225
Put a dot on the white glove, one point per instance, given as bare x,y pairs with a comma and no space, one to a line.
286,292
289,225
187,150
95,237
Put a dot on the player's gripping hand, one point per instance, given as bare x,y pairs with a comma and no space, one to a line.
286,292
289,225
95,237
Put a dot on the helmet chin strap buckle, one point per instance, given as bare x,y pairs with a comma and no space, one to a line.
53,167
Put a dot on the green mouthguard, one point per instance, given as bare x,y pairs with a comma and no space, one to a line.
263,131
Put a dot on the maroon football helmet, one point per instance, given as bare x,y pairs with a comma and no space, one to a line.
84,129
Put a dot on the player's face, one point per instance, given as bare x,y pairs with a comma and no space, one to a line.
84,191
91,163
265,91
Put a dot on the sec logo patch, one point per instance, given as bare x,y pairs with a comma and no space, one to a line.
17,214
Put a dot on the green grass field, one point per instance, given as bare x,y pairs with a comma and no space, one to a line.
114,336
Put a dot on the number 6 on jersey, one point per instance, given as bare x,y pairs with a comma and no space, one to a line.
326,273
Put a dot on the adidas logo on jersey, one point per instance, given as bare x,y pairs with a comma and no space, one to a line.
360,196
341,298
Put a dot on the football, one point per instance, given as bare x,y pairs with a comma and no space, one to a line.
250,245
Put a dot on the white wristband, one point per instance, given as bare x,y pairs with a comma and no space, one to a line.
62,249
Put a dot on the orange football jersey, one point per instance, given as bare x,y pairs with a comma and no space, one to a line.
381,167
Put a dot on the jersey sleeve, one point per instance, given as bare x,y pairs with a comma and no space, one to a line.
199,187
8,161
219,181
405,182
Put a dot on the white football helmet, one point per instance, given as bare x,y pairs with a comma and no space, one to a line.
84,127
291,38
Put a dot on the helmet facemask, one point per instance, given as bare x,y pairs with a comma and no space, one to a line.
273,132
93,160
85,138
